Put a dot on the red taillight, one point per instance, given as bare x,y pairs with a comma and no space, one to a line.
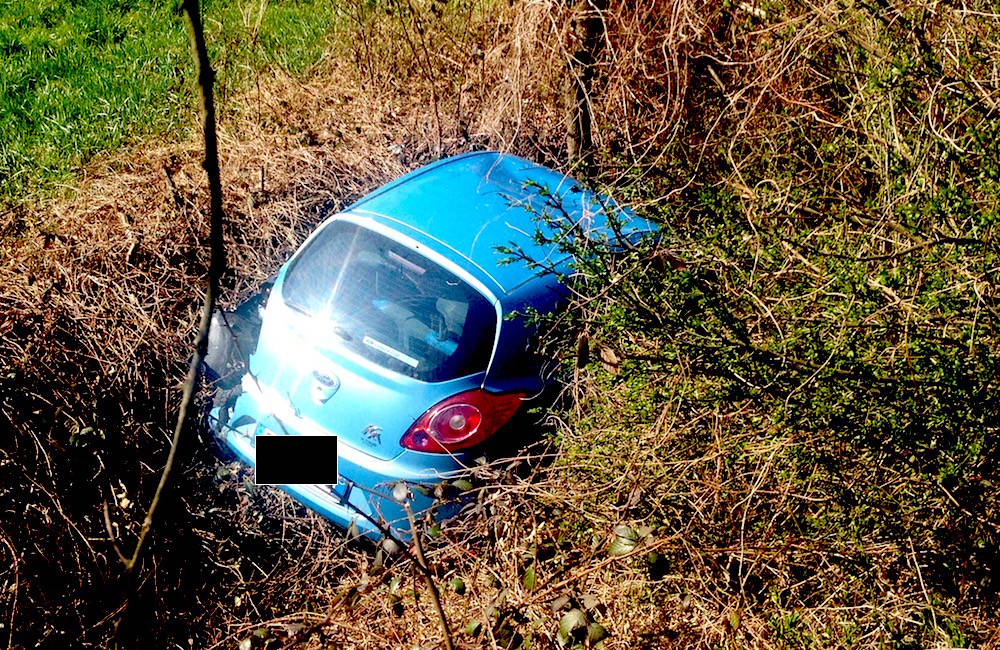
461,421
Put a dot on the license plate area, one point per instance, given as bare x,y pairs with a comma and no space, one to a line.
286,459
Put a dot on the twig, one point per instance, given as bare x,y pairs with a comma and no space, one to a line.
428,578
14,562
111,535
206,78
923,587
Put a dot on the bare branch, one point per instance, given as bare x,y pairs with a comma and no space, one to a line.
206,78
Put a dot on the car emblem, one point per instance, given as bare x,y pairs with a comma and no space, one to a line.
324,385
373,434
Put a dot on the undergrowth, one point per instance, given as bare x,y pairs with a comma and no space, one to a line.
805,368
779,429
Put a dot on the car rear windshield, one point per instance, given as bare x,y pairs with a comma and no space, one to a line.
391,304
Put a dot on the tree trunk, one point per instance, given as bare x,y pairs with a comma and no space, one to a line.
586,36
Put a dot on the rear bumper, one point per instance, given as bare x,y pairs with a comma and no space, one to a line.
352,499
326,500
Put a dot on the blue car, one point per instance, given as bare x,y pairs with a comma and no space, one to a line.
399,326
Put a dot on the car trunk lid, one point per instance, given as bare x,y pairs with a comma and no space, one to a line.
363,334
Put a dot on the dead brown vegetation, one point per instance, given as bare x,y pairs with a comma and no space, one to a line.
99,310
98,317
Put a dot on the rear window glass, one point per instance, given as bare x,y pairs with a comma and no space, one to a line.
392,305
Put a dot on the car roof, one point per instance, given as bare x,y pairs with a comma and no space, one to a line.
474,202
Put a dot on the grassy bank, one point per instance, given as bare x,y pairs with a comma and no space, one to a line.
796,391
82,78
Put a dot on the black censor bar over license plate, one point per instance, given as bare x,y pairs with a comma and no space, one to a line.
287,460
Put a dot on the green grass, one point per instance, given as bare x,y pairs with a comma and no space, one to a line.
78,78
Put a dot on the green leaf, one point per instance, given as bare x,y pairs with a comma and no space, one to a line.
352,530
423,489
625,541
596,633
472,627
458,585
529,579
434,531
626,532
572,621
462,485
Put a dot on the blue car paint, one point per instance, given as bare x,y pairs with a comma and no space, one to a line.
454,212
471,203
353,463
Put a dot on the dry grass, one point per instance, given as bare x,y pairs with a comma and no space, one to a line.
100,301
102,294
